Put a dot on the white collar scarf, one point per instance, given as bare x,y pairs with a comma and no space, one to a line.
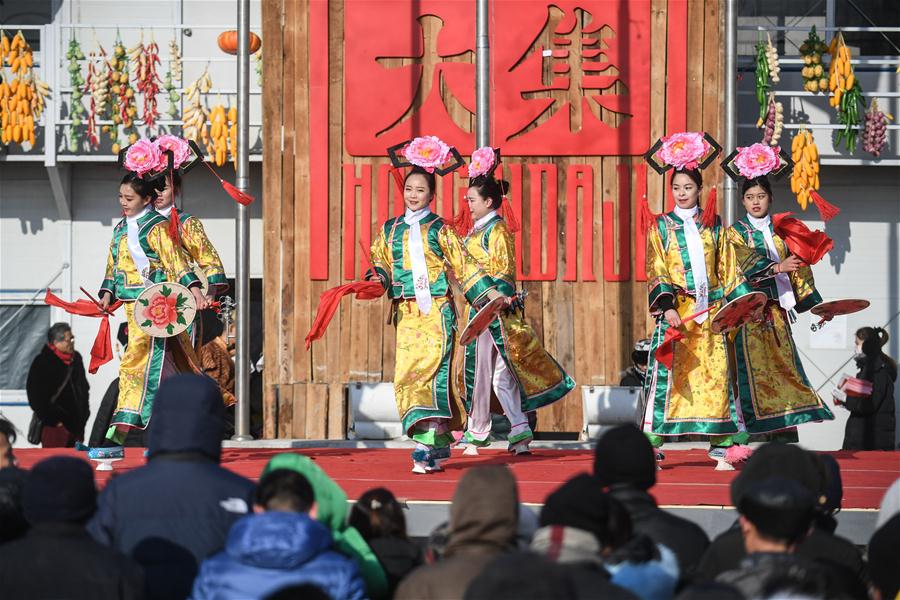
134,244
166,211
786,298
480,223
421,284
698,260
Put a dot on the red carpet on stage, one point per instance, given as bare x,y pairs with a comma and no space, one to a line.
687,478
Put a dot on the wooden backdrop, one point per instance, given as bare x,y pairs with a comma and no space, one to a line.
589,326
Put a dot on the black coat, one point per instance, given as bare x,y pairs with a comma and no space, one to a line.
175,511
844,563
398,557
872,421
60,560
759,571
686,539
45,377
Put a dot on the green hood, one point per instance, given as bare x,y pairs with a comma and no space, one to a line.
331,511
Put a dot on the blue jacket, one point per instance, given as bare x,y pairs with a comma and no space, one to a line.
270,551
175,511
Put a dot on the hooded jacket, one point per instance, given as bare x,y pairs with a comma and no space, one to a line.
332,511
483,520
270,551
175,511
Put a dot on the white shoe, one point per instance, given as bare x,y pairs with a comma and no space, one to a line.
471,450
420,468
723,465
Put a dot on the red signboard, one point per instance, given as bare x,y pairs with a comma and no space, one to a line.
567,78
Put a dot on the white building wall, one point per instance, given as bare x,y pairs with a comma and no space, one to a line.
34,243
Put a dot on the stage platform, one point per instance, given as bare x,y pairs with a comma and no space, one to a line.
688,484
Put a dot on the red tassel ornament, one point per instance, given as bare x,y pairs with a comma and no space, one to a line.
238,196
711,212
174,225
462,223
506,211
646,217
827,210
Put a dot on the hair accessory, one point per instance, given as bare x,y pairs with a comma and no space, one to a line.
152,158
427,152
484,162
684,150
757,160
375,504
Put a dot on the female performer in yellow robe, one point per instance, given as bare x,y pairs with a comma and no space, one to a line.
507,358
772,387
413,256
690,267
141,253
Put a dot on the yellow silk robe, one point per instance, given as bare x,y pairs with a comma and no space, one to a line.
695,396
422,375
541,380
773,390
140,371
201,250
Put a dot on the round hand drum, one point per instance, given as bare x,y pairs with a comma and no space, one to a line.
834,308
738,312
164,309
828,310
481,320
204,282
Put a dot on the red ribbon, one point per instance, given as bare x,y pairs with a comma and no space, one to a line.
808,246
665,353
330,299
101,351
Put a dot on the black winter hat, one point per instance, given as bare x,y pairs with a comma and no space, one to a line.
625,455
779,508
60,490
780,460
582,504
884,558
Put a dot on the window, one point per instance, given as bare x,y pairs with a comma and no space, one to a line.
20,341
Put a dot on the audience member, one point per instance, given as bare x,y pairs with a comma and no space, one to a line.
884,561
775,515
710,590
648,569
175,511
580,526
436,545
523,576
872,421
57,558
12,520
483,519
57,390
378,516
278,548
331,511
625,462
214,355
890,504
842,558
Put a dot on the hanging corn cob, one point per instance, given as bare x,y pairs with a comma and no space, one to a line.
846,93
814,79
22,99
232,135
217,146
805,176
